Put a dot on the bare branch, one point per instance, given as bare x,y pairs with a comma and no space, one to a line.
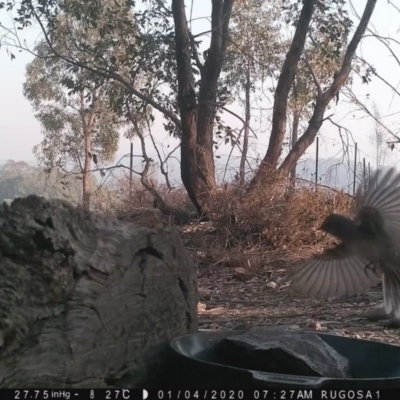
363,107
384,40
326,187
344,72
315,78
161,204
162,162
345,144
392,4
195,52
232,113
379,76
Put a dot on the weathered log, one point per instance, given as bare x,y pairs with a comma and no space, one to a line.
87,301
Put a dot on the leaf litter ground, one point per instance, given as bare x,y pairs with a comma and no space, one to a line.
241,288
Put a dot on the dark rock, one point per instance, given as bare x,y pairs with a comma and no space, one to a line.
284,351
87,301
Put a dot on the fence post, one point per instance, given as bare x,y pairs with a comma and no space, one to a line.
364,175
355,170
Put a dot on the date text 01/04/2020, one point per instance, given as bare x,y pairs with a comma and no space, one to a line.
278,394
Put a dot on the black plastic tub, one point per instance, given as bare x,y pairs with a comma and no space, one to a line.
196,362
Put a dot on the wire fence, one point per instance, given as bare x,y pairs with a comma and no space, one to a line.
342,172
360,172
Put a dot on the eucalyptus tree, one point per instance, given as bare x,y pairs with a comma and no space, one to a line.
302,67
79,129
326,25
325,45
79,125
254,53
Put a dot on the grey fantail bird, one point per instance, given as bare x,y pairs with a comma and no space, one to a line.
369,247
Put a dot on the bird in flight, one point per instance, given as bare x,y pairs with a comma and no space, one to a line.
369,248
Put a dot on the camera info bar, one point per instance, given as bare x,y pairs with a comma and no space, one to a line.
200,394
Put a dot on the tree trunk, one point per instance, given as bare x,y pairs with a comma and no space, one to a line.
324,98
87,132
197,117
88,302
305,140
246,127
86,172
295,132
286,77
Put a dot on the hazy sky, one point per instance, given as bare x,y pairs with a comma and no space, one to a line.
19,131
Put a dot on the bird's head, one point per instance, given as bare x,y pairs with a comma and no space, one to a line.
337,225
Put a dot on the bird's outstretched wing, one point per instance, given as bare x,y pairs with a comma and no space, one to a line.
382,194
334,273
382,197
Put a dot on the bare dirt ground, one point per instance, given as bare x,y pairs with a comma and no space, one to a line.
233,296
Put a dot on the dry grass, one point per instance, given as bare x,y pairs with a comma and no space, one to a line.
250,231
115,198
273,216
244,225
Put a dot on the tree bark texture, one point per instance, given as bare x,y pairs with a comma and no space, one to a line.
285,80
87,132
87,301
243,159
295,134
198,115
